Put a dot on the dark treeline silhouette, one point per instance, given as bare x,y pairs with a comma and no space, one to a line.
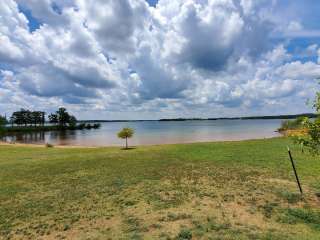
28,118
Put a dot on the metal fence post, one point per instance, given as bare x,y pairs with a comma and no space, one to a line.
295,171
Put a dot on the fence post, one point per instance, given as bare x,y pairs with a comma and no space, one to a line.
295,171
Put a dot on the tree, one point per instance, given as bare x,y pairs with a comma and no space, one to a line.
53,118
126,133
3,121
27,117
312,139
72,121
18,117
36,117
62,117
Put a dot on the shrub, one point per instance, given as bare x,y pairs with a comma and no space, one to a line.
292,124
185,234
312,140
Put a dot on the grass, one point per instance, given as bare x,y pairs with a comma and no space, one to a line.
223,190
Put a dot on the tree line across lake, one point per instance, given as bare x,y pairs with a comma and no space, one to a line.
26,120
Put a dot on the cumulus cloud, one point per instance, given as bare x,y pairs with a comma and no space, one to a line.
114,23
177,57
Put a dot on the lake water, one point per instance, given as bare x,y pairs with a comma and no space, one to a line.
157,132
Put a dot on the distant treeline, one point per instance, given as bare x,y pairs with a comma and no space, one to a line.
309,115
181,119
294,116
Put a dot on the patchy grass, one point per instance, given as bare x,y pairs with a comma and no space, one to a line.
224,190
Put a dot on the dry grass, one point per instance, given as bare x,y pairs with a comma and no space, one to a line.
294,132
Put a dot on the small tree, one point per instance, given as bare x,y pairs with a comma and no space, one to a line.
312,140
126,133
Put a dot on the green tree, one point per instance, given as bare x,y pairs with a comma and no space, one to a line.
126,133
3,122
18,117
63,116
72,121
53,118
36,117
28,117
312,139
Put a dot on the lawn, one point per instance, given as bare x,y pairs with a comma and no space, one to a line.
222,190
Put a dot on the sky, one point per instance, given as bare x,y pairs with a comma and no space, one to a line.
138,59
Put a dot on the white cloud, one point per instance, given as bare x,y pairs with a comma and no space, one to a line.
294,26
9,51
114,23
124,56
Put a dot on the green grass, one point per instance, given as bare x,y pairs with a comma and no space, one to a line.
223,190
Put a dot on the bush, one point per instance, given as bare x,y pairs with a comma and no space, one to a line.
293,124
312,140
185,234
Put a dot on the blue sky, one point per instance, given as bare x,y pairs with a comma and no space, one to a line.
152,2
33,23
132,60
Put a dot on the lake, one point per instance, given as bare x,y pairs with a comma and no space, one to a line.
157,132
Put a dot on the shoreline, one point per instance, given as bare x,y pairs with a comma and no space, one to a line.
4,143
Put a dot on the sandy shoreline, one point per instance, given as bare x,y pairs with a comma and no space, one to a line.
3,143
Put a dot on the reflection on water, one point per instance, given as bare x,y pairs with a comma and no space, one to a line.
41,137
32,137
155,132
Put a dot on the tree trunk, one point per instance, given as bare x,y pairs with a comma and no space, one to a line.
126,143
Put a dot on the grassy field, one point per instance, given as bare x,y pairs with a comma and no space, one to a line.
223,190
